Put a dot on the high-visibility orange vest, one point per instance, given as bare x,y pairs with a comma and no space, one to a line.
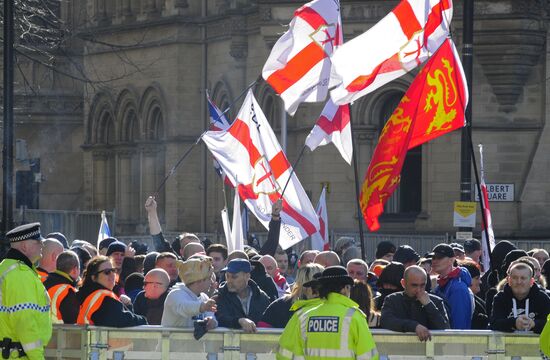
43,275
58,293
91,304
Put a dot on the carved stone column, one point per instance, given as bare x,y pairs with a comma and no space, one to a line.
99,161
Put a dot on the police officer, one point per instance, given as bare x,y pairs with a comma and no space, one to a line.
334,329
25,322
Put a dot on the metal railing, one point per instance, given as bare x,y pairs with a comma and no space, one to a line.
155,342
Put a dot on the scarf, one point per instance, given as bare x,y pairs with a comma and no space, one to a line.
442,281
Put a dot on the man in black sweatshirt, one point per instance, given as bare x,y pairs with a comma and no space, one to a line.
521,305
414,310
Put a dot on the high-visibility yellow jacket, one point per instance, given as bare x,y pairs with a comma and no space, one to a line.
24,306
545,338
333,329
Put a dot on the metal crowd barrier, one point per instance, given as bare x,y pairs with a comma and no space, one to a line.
155,342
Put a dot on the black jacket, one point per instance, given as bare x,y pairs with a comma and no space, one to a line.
502,318
403,313
111,312
379,300
69,307
151,309
480,319
278,313
263,280
230,309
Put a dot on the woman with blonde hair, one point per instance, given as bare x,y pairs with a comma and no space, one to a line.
279,312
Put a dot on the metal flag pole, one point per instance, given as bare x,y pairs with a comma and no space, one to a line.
466,136
357,192
292,171
173,170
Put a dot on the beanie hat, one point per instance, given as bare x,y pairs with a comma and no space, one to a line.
116,246
106,242
392,274
383,248
59,236
149,261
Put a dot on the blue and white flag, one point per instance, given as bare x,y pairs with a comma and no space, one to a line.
104,231
218,122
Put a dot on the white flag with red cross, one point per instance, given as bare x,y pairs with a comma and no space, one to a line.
333,126
398,43
299,67
252,158
319,240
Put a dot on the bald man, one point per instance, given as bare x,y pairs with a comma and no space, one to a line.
150,302
413,309
51,248
327,258
191,249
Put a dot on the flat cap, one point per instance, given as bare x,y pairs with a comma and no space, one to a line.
25,232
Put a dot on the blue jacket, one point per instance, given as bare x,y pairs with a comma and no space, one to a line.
459,298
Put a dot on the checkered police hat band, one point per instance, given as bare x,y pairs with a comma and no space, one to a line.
27,236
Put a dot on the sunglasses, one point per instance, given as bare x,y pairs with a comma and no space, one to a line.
107,271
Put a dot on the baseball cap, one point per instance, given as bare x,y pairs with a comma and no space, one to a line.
443,250
238,265
457,246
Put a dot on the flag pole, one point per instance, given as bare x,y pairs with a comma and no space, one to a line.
466,136
357,192
173,170
481,204
293,167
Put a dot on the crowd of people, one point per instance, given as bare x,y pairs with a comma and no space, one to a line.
187,284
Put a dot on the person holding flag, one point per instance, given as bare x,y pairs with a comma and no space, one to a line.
252,158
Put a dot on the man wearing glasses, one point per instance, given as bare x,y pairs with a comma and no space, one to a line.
25,322
150,302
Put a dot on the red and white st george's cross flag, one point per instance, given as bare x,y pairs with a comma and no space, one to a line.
398,43
299,67
319,240
252,158
487,245
333,126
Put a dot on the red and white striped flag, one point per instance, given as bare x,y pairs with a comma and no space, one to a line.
333,126
486,246
319,240
398,43
299,67
252,158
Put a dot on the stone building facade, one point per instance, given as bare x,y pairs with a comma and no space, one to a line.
107,143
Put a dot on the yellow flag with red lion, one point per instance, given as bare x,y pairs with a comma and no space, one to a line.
433,105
